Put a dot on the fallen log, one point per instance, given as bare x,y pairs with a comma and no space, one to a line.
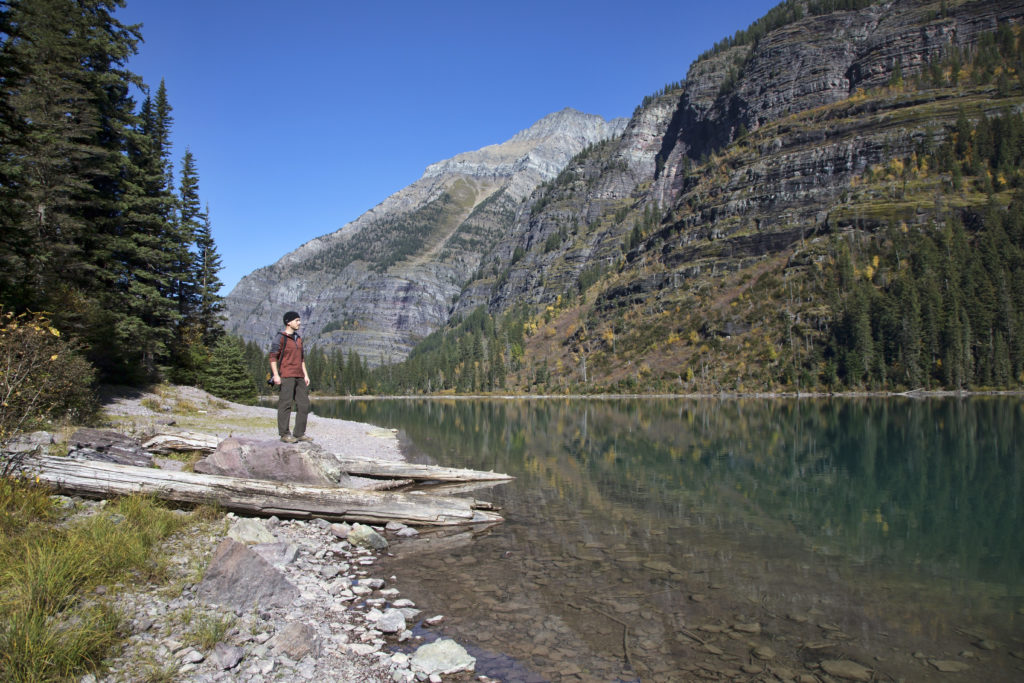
405,470
109,446
255,496
168,442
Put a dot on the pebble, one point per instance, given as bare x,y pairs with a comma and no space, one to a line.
752,628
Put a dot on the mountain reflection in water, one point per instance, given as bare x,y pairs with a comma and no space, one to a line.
679,539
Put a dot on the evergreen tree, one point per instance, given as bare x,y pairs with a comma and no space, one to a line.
66,116
160,131
60,138
149,255
257,365
227,375
200,302
189,219
207,281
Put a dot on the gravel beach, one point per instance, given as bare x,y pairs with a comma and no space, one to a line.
342,606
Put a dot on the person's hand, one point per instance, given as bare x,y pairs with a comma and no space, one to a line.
307,380
277,379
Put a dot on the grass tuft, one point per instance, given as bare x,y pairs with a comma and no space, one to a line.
36,647
208,630
152,403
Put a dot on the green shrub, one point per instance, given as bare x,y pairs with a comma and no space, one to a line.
42,376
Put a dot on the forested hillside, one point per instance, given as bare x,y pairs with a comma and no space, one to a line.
835,204
105,238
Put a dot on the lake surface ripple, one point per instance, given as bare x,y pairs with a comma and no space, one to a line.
746,539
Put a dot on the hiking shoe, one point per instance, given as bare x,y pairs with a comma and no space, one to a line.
303,438
288,438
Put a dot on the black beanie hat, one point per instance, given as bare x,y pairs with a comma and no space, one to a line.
290,316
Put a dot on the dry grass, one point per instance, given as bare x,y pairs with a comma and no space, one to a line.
53,626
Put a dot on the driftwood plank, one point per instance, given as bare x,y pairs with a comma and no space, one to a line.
406,470
166,442
254,496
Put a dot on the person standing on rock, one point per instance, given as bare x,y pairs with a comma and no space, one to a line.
288,367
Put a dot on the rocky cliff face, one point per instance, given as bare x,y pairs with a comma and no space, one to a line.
760,149
811,63
761,138
393,275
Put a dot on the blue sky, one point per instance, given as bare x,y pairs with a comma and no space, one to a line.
303,115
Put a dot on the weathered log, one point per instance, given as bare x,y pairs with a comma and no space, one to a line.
166,442
450,488
254,496
311,464
406,470
108,446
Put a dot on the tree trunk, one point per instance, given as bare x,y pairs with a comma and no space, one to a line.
253,496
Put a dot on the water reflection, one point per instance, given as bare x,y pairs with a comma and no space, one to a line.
659,539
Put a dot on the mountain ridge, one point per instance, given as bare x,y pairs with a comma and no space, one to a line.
699,250
365,300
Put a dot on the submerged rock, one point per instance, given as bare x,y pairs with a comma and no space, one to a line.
949,665
844,668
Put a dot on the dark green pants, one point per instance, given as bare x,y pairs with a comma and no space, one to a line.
293,391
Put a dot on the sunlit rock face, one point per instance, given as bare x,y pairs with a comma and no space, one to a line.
722,198
755,151
387,279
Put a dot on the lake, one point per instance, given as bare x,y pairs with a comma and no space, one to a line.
685,539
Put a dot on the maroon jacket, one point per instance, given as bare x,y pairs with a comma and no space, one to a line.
289,359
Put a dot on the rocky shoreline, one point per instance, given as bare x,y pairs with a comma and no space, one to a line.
285,600
295,601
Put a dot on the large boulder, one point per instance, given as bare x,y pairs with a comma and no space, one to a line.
240,578
301,463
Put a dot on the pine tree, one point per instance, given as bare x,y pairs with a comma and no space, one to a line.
66,117
227,376
149,256
189,219
60,83
256,365
161,133
201,303
208,284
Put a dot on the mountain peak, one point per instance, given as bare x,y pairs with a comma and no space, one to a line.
567,121
356,294
548,144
